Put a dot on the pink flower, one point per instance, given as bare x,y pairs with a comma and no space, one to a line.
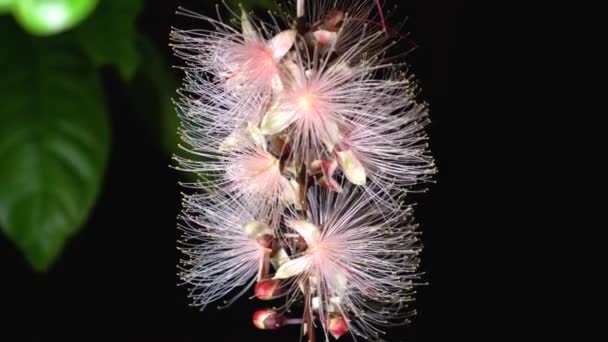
223,248
256,177
256,62
392,149
229,71
360,259
246,170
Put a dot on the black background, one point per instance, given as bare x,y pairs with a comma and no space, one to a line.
117,279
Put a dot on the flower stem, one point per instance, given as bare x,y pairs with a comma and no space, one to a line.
310,330
303,182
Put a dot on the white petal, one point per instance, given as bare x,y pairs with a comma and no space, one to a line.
316,303
256,136
307,230
293,72
249,32
277,84
279,258
282,43
292,268
333,305
331,135
290,195
231,142
340,281
276,120
352,167
255,229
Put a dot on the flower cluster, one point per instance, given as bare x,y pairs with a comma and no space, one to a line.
305,137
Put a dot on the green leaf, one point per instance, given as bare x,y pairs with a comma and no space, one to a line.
153,89
54,141
152,92
47,17
109,36
6,5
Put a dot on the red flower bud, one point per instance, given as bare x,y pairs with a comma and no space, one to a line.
268,319
337,326
268,289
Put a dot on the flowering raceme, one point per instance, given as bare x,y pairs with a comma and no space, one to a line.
307,136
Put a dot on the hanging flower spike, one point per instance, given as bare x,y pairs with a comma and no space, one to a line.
307,136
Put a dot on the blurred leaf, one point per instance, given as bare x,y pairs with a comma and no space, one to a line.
54,140
109,35
6,5
153,88
46,17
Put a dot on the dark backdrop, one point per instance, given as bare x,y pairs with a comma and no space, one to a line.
117,277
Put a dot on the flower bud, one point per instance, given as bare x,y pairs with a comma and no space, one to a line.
268,319
337,326
268,289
